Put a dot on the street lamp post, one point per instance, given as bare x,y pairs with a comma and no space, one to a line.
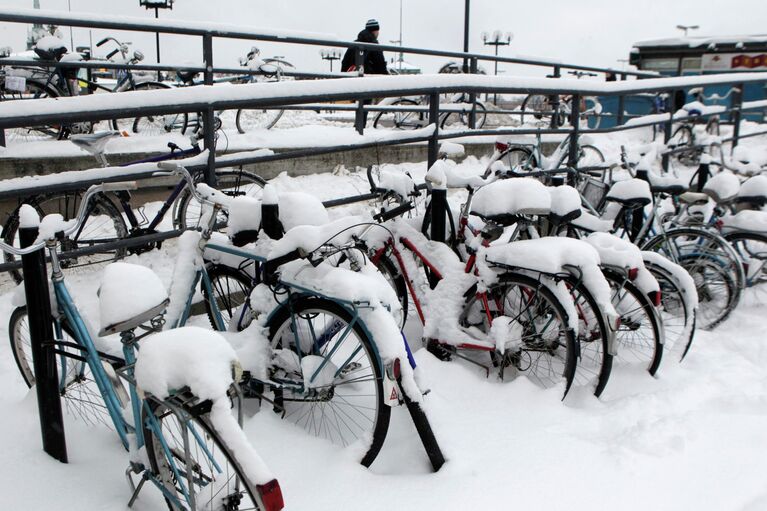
330,56
466,35
497,39
157,5
685,28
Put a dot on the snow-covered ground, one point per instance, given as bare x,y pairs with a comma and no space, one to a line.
694,437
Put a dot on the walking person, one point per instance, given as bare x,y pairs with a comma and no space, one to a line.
373,61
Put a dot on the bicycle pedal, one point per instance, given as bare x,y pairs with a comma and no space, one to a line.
439,351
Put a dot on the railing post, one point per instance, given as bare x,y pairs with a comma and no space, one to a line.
360,116
554,101
667,127
735,115
2,138
209,119
433,152
473,97
575,122
43,355
621,108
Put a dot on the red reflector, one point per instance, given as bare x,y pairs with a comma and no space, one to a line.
397,370
500,146
271,495
655,297
633,273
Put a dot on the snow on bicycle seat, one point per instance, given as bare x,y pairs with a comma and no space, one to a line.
590,223
670,185
723,187
130,295
747,220
565,204
694,198
505,200
632,193
753,192
94,143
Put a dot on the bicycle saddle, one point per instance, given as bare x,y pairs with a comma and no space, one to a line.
753,192
694,198
130,295
723,187
504,201
94,143
565,204
631,194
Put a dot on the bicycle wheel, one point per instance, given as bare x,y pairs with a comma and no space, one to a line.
349,406
588,156
639,337
595,361
216,480
401,120
713,264
81,396
677,333
231,287
257,119
103,224
396,280
752,250
232,182
460,120
546,350
33,90
684,137
519,157
536,107
152,125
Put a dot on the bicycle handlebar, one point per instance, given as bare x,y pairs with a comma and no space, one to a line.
81,216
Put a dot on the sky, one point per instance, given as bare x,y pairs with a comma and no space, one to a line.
588,32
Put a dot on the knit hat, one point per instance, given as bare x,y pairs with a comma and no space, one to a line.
372,25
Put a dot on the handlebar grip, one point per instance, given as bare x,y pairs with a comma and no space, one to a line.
119,186
112,54
393,213
272,265
102,42
170,166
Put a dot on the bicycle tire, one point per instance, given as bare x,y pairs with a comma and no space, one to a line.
285,329
677,334
400,120
231,182
36,90
534,105
396,280
750,246
80,394
565,362
595,361
231,288
638,305
462,118
100,230
518,156
205,470
152,125
716,264
248,119
684,136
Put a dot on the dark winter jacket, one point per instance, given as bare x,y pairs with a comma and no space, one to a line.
374,61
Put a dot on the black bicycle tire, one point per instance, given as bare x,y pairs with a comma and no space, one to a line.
400,102
11,225
201,419
660,275
216,272
383,414
570,342
185,197
647,308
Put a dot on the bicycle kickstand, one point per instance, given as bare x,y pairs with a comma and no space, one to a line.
135,489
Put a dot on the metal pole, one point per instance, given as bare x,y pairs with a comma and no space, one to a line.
575,122
668,127
466,35
2,138
157,42
43,356
554,101
433,119
209,120
473,97
737,102
621,108
495,94
360,119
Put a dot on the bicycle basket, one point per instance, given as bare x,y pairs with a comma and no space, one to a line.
594,191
